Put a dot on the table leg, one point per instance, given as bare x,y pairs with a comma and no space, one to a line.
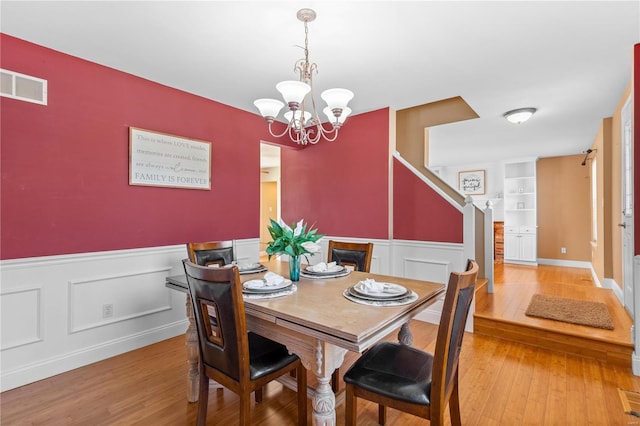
324,403
327,359
405,336
192,355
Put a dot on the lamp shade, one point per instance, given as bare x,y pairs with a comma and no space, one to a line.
520,115
337,98
332,118
293,91
268,107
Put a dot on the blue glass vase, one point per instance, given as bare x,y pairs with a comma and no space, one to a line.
294,268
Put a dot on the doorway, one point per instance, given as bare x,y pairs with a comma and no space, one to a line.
269,190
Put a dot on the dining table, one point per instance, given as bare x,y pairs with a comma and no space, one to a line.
320,321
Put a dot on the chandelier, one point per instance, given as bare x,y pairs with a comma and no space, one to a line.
303,122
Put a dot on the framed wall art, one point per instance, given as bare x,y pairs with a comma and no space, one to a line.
160,159
471,182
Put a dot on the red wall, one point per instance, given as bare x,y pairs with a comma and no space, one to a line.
419,213
65,165
65,168
342,186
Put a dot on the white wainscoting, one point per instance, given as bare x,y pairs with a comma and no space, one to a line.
52,308
432,262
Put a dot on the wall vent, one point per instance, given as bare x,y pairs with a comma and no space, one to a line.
23,87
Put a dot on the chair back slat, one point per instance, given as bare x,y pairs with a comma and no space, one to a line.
460,292
216,295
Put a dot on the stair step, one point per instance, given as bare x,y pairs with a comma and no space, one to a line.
618,353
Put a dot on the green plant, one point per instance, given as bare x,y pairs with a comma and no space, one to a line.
294,242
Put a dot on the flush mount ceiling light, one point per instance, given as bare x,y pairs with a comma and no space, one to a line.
519,115
303,122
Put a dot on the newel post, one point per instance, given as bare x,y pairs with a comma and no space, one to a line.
469,230
488,246
469,248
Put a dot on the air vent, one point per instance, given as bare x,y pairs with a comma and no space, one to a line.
23,87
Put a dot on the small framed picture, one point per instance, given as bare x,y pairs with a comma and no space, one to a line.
471,182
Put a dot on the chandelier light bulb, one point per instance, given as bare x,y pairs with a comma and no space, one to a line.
293,92
337,98
332,118
268,107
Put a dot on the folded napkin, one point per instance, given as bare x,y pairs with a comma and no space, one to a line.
246,266
322,267
370,286
273,279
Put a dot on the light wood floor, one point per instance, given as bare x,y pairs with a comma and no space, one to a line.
515,284
501,383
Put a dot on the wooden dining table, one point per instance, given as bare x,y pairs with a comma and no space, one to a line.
320,325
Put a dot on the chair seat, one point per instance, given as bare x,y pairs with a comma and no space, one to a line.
394,370
267,356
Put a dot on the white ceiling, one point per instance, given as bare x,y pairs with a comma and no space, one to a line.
571,60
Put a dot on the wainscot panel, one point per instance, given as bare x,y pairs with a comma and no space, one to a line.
64,312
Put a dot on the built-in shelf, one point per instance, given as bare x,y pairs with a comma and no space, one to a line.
520,212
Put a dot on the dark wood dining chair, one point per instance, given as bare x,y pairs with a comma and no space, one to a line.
211,253
240,361
357,255
408,379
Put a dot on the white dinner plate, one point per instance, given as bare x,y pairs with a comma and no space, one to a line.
260,286
390,291
336,269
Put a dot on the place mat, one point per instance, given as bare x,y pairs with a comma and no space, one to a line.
398,302
582,312
344,273
286,292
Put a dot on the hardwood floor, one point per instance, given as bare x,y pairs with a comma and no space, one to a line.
501,383
502,314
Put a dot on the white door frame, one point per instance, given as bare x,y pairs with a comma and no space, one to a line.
626,217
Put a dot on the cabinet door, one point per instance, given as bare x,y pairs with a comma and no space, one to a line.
528,247
511,246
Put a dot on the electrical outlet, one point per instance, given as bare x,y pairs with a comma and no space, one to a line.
107,310
563,250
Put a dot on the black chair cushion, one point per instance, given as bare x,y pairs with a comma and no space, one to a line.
266,356
394,370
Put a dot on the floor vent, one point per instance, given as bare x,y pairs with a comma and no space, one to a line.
23,87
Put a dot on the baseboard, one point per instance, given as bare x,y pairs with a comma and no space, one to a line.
564,262
611,284
50,367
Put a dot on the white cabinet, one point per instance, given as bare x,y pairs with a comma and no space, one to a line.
520,247
520,212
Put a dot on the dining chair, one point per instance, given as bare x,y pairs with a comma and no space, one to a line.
357,255
211,253
239,360
408,379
